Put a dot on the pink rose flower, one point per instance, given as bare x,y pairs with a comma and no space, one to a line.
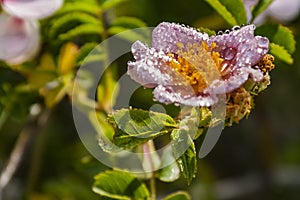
188,67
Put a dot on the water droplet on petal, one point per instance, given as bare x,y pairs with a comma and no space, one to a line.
235,28
229,53
259,50
31,9
227,31
263,42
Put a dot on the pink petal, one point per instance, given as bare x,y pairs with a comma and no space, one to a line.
169,94
19,39
150,68
31,9
250,48
166,36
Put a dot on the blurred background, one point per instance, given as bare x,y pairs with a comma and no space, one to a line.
259,158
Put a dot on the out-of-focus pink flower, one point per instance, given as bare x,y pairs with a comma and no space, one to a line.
284,10
189,67
280,10
19,39
31,9
19,33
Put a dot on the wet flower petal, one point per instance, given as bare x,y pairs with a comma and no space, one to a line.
31,9
188,67
166,36
19,39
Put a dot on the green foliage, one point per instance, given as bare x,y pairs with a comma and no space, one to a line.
135,126
182,142
120,185
281,53
131,25
63,27
171,172
260,7
232,11
107,91
108,4
79,6
180,195
84,51
282,40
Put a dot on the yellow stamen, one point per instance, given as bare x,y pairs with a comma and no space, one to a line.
266,63
199,64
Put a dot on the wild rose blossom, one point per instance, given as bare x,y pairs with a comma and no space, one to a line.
19,31
282,11
188,67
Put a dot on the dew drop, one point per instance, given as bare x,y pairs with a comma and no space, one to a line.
259,50
263,42
229,53
227,31
149,62
235,28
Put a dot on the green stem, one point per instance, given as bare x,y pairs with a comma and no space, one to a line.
146,148
153,186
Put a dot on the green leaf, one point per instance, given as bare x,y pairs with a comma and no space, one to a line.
207,30
128,22
53,95
105,131
260,7
134,127
279,35
171,172
91,52
197,121
120,185
85,29
180,195
84,51
107,90
205,117
125,141
71,21
281,53
137,122
130,35
79,6
232,11
111,3
40,78
67,58
185,152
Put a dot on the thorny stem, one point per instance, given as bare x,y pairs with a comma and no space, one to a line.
146,148
34,125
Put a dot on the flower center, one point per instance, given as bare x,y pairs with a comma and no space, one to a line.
199,64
